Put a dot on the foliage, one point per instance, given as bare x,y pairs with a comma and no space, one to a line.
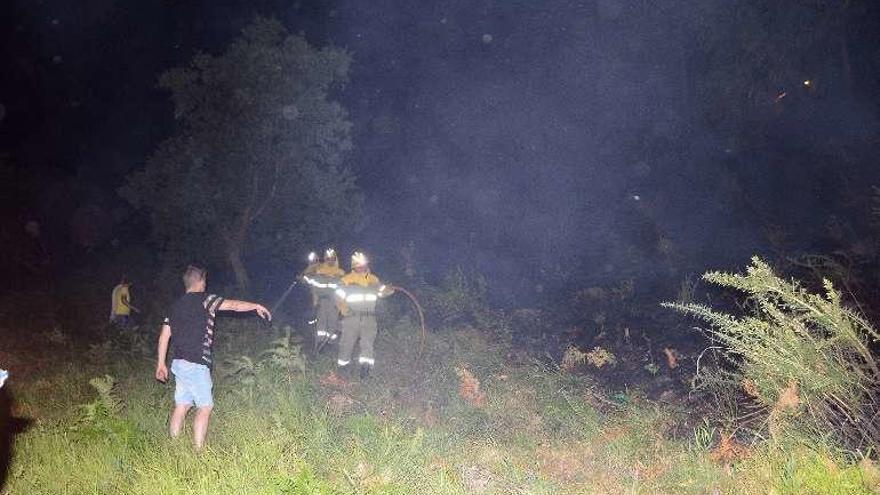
106,406
284,354
281,359
803,357
255,167
600,357
462,299
841,267
458,297
572,357
242,368
102,417
539,431
704,436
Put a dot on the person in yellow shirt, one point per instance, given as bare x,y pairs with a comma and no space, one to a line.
325,281
356,297
120,304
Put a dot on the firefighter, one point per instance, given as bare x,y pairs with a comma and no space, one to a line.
325,281
330,266
313,265
356,297
311,268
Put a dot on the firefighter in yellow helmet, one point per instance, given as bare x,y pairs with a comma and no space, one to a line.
356,297
330,266
324,281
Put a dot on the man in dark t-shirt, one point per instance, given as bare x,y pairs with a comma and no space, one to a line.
191,323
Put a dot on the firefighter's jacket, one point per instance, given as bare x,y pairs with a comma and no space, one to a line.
358,293
307,276
323,281
330,270
312,268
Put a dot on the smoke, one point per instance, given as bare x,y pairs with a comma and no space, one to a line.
522,132
561,143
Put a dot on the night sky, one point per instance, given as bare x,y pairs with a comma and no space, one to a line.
540,142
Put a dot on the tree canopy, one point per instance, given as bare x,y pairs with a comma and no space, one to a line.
255,170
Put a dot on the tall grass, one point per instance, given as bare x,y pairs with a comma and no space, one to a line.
277,429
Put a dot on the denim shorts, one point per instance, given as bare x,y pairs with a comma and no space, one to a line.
192,383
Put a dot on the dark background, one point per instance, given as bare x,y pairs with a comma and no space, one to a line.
548,145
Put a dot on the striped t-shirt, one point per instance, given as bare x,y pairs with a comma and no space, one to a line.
192,326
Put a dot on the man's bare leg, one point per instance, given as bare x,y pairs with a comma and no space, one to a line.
200,426
178,414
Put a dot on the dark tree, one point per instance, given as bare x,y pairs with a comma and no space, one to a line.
255,167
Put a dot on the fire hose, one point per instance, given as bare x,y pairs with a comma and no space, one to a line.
421,316
408,294
283,297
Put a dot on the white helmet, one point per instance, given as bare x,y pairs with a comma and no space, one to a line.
313,257
330,254
359,259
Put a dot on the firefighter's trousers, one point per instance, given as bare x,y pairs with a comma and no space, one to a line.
358,326
328,318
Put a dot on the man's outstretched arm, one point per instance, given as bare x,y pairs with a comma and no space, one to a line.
244,307
161,368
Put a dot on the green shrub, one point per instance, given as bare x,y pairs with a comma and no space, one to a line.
459,300
103,417
284,353
803,357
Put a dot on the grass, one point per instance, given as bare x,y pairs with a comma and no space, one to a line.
278,430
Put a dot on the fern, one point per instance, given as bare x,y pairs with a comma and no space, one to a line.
107,406
284,354
99,353
244,369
